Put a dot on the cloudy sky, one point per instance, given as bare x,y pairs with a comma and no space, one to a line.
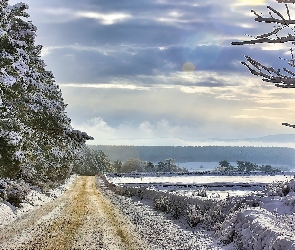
163,72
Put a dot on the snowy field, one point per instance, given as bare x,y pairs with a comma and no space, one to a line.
216,186
202,179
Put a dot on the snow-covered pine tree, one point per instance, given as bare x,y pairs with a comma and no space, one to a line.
282,32
37,142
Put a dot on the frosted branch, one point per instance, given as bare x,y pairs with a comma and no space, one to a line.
276,12
285,39
275,31
288,125
274,20
269,74
255,13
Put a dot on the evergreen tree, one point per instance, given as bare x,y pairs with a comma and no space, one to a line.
150,167
117,165
249,166
37,142
225,165
241,166
160,166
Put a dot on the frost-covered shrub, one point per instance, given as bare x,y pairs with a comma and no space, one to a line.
253,227
241,220
258,229
285,189
13,192
195,210
192,217
162,203
279,188
175,205
291,185
201,192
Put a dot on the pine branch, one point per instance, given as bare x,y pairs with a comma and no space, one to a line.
289,72
275,31
269,74
276,12
288,125
274,20
265,38
283,39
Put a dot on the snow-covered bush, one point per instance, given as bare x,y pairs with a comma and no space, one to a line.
258,229
292,185
195,210
281,188
171,204
13,192
244,221
267,224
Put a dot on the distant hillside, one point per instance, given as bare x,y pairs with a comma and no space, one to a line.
280,138
274,138
259,155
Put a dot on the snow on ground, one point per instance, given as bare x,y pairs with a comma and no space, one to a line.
202,179
159,230
257,228
271,225
216,186
34,200
279,205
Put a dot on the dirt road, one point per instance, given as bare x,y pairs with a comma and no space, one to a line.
82,218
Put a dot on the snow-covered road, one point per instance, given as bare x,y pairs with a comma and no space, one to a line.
89,216
82,218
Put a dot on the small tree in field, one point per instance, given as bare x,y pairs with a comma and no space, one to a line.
282,32
225,165
132,165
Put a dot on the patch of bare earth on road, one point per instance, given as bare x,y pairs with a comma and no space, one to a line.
80,219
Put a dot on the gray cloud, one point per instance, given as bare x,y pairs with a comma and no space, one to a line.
96,65
138,48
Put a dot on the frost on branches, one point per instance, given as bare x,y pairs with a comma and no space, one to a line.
282,32
37,142
283,78
91,162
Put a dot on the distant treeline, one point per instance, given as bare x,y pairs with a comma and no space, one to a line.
259,155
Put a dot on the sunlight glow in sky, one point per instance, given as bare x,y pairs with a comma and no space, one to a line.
163,72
